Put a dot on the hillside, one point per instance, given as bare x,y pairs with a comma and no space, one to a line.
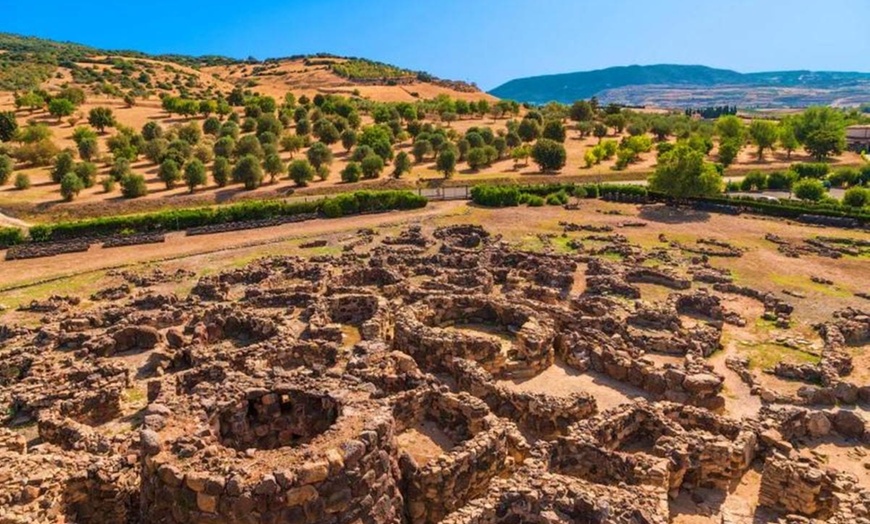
692,86
28,63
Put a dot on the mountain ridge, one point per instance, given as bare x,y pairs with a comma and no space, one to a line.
625,84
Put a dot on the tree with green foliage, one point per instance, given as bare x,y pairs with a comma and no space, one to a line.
169,173
348,139
60,107
372,166
301,172
319,154
6,168
446,162
31,100
617,121
661,127
87,173
822,131
787,138
599,131
378,138
33,133
326,132
809,189
763,133
133,186
351,173
194,174
152,130
221,171
8,126
63,164
248,145
421,149
76,95
731,127
274,166
70,186
581,111
477,158
529,130
402,164
207,107
88,148
682,172
101,118
729,148
554,130
248,171
521,154
549,154
292,143
211,126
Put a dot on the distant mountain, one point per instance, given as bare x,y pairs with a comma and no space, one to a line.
692,86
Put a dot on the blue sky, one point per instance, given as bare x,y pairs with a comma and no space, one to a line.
485,41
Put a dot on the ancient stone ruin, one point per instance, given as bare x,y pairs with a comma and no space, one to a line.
391,384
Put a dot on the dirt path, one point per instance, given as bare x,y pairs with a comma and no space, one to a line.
177,245
8,221
739,402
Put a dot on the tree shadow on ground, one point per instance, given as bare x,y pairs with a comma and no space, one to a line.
672,215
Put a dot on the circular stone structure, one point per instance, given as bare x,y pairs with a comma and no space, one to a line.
287,447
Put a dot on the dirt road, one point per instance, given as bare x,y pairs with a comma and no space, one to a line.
19,272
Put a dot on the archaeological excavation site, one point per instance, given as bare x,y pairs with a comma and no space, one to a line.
442,373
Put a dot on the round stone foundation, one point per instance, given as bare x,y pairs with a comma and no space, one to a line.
287,447
276,419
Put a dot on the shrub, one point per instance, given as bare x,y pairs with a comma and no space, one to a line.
10,236
495,196
845,177
811,170
781,180
809,189
535,201
754,180
857,197
22,181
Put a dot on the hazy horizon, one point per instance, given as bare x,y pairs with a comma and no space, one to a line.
486,42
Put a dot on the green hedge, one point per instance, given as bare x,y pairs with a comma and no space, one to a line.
514,195
180,219
9,236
